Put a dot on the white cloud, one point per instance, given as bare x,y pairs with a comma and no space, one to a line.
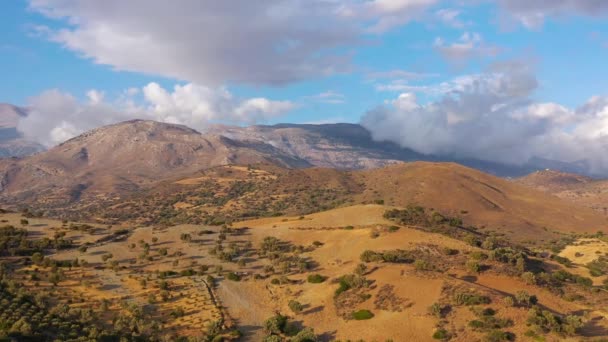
491,116
469,45
450,17
383,15
532,13
55,116
220,42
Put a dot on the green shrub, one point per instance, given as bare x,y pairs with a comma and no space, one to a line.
316,278
441,334
462,298
275,324
498,336
233,276
362,315
295,306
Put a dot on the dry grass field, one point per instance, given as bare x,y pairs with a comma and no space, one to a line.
183,283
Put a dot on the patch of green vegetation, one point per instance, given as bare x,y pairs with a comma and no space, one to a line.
316,278
350,281
598,267
441,334
362,315
392,256
546,321
233,276
463,298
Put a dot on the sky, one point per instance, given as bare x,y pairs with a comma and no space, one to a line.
503,80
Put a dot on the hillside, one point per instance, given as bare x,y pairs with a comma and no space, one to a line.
584,191
229,193
479,198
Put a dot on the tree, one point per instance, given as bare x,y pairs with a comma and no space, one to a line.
295,306
361,269
305,335
37,258
525,299
473,266
275,324
529,278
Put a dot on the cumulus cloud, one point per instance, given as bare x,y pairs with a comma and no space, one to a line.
469,45
491,116
55,116
532,13
219,42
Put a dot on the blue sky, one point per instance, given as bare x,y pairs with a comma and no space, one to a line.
317,61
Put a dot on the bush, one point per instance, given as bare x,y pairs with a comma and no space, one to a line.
498,336
473,266
362,315
316,278
422,265
509,301
305,335
351,281
525,299
295,306
233,276
548,322
470,299
441,334
275,324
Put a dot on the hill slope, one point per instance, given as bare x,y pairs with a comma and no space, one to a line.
228,193
584,191
480,199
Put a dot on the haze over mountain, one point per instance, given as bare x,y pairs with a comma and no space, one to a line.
12,143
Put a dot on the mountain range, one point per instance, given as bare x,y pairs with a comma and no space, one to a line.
340,145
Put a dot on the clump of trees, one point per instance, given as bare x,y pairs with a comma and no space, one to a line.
279,329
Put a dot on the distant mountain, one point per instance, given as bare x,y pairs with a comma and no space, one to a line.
351,146
12,143
123,158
